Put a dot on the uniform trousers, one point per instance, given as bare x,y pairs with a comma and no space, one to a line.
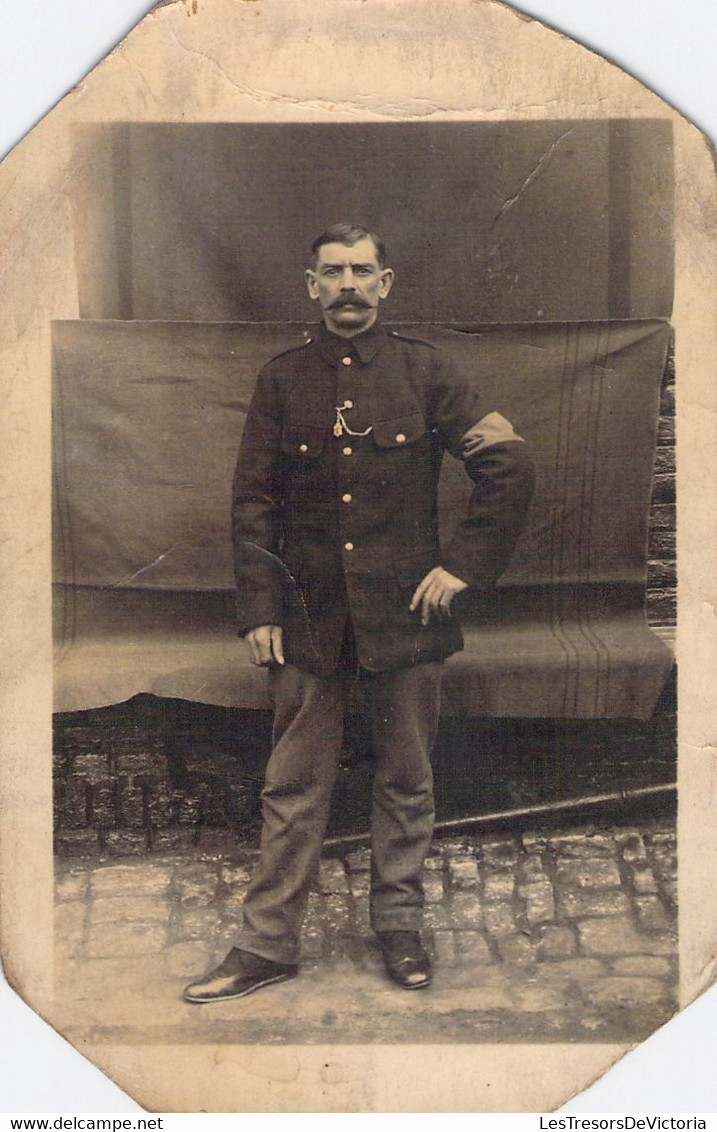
307,743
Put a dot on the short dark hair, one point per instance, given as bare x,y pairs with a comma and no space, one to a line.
349,234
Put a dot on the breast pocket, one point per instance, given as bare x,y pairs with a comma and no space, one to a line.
303,441
399,432
403,461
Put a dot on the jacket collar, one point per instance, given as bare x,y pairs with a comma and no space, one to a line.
365,345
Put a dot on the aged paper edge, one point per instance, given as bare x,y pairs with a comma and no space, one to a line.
26,864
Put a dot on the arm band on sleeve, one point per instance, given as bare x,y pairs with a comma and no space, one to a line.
491,429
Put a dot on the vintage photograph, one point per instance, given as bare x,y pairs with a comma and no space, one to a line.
364,584
347,350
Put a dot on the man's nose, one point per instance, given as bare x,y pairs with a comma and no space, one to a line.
348,282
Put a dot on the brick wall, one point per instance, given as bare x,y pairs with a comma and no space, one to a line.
158,775
662,573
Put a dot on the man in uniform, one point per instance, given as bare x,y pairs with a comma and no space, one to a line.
340,575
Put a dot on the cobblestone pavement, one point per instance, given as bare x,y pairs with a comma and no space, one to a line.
562,935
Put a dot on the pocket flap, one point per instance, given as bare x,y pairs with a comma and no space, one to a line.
399,431
412,569
303,440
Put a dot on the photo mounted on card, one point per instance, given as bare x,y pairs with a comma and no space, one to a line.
342,737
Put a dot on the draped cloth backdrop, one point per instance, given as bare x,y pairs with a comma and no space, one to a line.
538,254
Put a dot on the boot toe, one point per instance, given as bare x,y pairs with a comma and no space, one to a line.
239,974
407,961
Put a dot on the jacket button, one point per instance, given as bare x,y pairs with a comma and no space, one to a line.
346,361
348,546
347,451
303,448
400,438
346,498
348,404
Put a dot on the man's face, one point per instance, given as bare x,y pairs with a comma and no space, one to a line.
349,284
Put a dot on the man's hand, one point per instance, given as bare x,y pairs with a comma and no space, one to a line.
435,593
267,644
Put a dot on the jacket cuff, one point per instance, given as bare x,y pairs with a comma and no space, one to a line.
254,608
476,570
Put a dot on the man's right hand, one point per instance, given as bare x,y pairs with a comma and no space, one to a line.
267,645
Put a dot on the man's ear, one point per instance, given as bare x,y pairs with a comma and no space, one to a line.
310,277
387,277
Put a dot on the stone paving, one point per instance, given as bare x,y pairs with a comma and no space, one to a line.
553,935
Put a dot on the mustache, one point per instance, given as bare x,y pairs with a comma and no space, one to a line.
348,301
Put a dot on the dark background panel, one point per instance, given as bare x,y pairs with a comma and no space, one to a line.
149,417
491,221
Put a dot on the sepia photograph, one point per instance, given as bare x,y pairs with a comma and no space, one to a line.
364,588
448,550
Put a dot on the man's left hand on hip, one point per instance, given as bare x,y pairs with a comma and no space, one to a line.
435,593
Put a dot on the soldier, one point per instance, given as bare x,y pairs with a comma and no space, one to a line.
340,576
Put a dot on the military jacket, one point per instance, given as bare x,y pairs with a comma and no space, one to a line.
335,496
